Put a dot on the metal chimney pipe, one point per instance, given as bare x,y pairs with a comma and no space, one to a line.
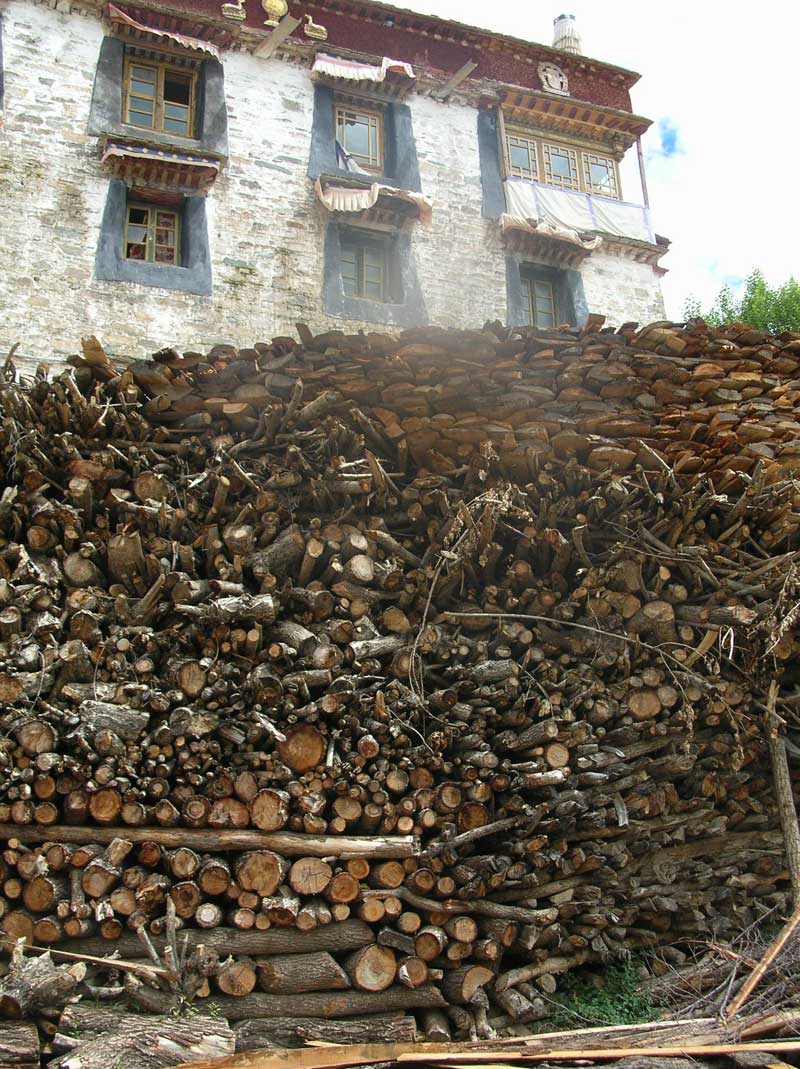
565,34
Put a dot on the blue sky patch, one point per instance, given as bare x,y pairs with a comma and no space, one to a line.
670,143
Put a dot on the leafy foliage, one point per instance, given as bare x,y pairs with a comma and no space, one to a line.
774,309
620,999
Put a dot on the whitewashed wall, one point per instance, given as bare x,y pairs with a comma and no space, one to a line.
266,229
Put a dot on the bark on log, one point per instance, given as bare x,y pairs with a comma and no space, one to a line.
290,1032
312,1004
289,844
335,938
19,1046
151,1044
297,973
36,983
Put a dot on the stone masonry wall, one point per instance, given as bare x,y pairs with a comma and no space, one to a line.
266,229
622,289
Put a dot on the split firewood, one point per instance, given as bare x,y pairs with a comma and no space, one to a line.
33,984
132,1041
444,659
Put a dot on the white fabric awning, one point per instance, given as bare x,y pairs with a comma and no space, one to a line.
547,230
351,70
581,212
156,34
353,199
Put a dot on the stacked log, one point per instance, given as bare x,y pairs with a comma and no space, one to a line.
413,671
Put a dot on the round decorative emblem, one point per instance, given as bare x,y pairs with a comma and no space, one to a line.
553,79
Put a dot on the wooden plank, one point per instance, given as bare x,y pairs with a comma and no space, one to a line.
455,81
688,1050
270,45
447,1055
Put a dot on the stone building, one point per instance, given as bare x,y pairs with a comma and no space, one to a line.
190,172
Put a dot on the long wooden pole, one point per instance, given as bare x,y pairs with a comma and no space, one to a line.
783,791
450,1054
287,843
643,177
502,142
791,839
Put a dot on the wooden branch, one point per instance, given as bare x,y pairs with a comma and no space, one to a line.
290,844
775,947
111,963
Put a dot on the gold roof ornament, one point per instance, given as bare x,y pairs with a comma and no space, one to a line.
275,10
313,29
235,11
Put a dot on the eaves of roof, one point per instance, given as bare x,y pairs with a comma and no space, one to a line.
475,34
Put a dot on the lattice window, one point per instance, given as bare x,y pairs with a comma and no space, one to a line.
600,175
522,156
159,97
561,166
364,267
541,303
360,133
151,234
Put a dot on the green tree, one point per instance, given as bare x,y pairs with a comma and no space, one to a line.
760,305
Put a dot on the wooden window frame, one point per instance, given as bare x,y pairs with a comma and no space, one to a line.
360,242
539,149
572,184
162,69
531,282
532,143
372,114
152,226
587,159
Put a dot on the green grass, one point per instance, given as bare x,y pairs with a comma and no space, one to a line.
612,998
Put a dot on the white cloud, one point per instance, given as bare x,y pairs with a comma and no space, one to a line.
724,76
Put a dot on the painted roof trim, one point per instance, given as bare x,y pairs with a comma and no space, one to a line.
380,8
378,11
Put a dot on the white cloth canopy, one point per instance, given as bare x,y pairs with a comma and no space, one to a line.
559,233
115,14
352,71
351,199
580,212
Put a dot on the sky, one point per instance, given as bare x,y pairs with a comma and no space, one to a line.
719,80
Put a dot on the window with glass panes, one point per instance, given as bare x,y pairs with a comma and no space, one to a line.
360,133
522,157
541,303
561,166
599,174
558,165
363,268
159,97
151,234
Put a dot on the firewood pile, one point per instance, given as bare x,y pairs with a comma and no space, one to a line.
400,675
